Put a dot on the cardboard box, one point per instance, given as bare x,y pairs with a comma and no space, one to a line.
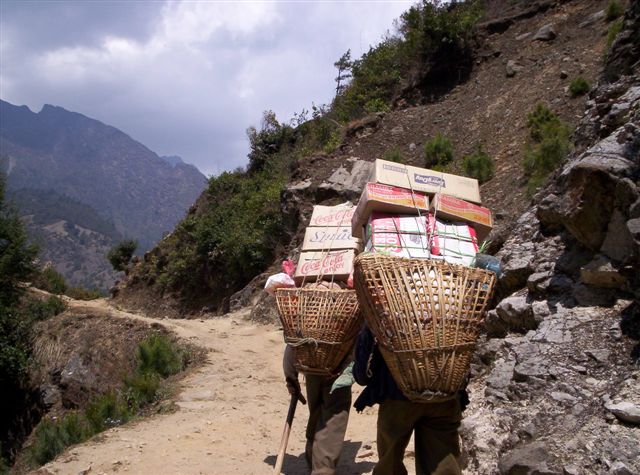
454,242
377,197
396,223
335,264
449,207
413,241
425,181
319,238
408,252
332,215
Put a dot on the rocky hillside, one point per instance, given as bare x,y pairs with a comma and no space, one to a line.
523,53
58,162
556,381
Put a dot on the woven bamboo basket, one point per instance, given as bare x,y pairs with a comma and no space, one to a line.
426,315
320,325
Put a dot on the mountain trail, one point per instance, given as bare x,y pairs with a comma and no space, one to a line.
231,412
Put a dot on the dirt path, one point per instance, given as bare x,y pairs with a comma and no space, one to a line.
230,417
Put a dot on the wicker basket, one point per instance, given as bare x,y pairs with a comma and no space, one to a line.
320,325
426,315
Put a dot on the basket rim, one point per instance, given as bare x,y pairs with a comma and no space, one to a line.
416,261
305,290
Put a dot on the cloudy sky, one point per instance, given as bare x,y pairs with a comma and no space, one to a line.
184,78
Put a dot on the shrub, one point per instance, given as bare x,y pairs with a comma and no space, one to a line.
614,10
37,310
53,436
110,410
80,293
438,152
479,165
547,146
16,254
120,255
614,29
394,155
579,86
50,280
142,389
158,354
267,141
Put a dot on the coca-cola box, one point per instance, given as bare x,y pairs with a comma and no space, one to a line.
333,265
320,238
332,215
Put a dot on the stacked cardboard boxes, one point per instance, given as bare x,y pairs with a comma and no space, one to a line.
418,213
328,248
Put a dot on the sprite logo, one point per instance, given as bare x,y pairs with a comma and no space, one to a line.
430,180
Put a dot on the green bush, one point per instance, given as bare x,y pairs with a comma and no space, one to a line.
479,165
614,29
120,254
110,410
268,141
614,10
394,155
430,32
579,86
16,254
53,436
438,152
142,389
79,293
547,146
159,354
51,281
37,310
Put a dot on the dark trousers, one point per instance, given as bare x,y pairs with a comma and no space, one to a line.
328,418
437,444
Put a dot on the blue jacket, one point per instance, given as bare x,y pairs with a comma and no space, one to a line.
370,370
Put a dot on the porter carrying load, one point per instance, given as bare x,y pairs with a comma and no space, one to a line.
321,316
421,292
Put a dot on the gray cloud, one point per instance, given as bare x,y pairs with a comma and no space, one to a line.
183,78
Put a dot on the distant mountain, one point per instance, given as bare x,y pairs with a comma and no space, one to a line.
64,167
173,160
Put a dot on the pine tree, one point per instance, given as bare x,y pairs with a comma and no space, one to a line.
344,65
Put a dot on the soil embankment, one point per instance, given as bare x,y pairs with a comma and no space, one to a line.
230,415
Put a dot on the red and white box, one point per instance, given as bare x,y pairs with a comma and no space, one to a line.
333,216
455,209
456,243
333,265
384,198
401,224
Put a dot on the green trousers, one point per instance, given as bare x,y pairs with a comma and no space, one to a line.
328,418
437,444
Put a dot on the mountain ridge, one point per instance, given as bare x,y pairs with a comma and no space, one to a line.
97,165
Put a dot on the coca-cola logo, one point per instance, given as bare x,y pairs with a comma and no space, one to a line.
331,263
429,180
336,217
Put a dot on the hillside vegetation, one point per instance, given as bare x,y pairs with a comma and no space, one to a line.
238,227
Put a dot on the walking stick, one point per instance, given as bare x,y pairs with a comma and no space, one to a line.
287,430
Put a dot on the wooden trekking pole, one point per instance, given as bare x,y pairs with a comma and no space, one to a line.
287,430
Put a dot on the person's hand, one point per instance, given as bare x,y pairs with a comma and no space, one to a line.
293,386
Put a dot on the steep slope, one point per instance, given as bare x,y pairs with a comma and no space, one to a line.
55,150
488,109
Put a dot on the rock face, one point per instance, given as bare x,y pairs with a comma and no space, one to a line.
557,380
